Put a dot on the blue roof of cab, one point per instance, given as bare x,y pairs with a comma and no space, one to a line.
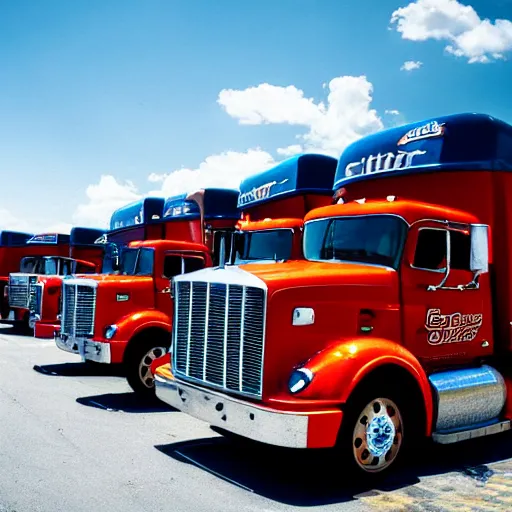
144,211
219,203
14,238
301,174
453,142
84,236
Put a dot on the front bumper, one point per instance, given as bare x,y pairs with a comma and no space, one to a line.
89,350
309,429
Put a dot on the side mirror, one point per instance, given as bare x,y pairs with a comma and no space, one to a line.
479,259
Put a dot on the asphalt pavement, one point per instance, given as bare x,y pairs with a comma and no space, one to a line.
73,438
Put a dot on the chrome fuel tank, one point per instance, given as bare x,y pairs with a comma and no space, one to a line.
467,397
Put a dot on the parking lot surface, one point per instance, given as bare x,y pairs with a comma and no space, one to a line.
73,437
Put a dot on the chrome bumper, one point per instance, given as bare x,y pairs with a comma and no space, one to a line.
262,424
89,350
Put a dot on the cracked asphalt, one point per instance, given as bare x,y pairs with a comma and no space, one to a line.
74,438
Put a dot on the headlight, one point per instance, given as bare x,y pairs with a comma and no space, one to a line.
110,331
300,380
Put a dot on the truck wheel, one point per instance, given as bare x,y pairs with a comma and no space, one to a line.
376,431
138,363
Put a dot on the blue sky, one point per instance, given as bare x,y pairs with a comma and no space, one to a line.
97,96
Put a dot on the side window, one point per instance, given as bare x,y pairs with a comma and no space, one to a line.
173,265
431,250
193,264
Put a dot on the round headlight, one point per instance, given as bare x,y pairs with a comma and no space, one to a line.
299,380
110,331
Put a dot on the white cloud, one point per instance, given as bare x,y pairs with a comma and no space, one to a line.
392,112
294,149
467,35
331,126
103,198
225,170
59,227
410,65
10,222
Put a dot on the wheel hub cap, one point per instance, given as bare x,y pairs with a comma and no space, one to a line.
380,435
377,435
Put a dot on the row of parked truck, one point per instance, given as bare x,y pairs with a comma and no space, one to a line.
360,303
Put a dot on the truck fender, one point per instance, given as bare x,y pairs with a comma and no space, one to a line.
132,325
342,366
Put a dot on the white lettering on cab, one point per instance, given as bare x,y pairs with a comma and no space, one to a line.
382,162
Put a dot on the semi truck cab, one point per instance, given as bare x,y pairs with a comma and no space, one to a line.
273,205
394,327
85,257
12,249
45,253
125,317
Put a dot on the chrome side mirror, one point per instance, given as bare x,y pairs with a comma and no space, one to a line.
479,260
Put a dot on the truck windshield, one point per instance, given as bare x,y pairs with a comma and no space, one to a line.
136,261
46,266
267,245
376,239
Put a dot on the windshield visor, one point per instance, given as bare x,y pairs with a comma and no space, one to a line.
374,239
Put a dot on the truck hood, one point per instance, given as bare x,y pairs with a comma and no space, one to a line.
311,273
111,280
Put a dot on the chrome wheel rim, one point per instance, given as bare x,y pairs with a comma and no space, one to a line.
145,375
377,435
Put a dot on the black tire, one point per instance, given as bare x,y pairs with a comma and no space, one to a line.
393,413
140,353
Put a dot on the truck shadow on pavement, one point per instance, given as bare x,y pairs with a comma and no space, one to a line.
80,369
313,478
125,402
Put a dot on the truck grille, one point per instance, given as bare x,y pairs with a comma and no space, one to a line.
219,335
20,290
78,307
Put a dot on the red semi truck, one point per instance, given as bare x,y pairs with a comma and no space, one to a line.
45,253
125,316
85,257
395,327
273,205
12,249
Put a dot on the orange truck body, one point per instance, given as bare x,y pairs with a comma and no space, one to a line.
110,318
32,254
86,258
405,283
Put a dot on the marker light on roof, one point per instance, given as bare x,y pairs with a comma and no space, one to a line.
361,201
391,198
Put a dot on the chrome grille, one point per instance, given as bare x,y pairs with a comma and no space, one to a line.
219,335
78,308
19,290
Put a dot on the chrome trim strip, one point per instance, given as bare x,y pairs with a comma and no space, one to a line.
455,437
225,341
241,353
208,286
189,326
